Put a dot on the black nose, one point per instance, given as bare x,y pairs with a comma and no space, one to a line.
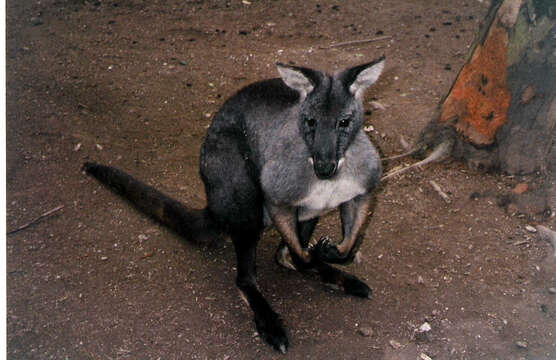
325,169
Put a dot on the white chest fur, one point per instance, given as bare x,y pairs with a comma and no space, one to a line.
325,195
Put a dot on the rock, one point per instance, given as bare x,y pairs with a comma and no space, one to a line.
552,290
521,344
36,21
396,345
425,327
365,331
547,235
377,105
520,188
421,333
424,356
530,228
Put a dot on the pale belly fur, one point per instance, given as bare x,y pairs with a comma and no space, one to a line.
326,195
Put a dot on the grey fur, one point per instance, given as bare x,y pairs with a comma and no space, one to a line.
281,152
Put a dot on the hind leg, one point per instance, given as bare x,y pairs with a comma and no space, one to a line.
235,201
268,322
350,284
244,225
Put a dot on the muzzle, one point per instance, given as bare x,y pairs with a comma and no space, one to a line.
324,169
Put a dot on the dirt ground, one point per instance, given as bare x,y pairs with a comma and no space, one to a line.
133,83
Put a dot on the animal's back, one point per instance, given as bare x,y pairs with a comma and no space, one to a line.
229,166
236,126
267,98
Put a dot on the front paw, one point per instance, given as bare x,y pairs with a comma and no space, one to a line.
325,251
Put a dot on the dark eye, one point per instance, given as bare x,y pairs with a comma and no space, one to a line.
344,122
310,122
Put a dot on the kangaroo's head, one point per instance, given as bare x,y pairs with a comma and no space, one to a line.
331,111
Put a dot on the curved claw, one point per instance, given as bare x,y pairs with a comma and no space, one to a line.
328,252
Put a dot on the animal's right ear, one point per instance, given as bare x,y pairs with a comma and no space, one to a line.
300,79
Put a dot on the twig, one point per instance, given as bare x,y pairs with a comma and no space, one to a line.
439,154
34,221
405,154
356,42
442,194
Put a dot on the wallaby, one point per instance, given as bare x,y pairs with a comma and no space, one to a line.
279,152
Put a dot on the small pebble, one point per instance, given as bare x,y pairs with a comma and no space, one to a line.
377,105
552,290
425,327
365,331
424,356
530,229
521,344
36,21
396,345
104,258
520,188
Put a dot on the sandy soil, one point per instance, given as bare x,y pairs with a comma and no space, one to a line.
134,83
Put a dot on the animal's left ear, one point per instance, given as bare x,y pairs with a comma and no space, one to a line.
359,78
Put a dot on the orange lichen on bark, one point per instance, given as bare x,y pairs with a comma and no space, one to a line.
479,100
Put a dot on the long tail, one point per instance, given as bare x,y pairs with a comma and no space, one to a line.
194,224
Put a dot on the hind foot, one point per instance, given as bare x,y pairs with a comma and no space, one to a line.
271,331
354,286
337,278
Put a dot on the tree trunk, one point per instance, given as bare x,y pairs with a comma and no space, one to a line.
501,110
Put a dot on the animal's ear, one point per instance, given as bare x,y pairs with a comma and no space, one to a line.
359,78
300,79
